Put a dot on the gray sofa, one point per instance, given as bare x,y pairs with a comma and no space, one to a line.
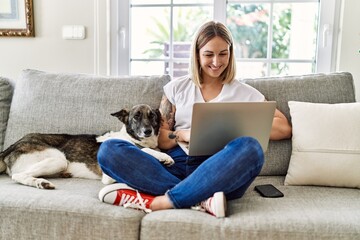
78,103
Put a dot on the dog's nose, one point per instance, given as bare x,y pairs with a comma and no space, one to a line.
148,132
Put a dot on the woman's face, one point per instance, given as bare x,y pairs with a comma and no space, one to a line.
214,57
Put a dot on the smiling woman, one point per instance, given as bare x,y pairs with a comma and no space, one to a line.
16,18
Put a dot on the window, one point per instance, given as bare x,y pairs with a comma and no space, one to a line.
272,37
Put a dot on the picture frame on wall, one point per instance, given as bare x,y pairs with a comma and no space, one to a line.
16,18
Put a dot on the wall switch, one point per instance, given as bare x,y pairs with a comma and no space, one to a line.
76,32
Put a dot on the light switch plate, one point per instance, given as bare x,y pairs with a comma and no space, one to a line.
76,32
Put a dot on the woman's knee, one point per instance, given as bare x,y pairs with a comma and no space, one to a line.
258,152
253,148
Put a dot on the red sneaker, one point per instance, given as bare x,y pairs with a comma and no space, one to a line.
215,205
121,194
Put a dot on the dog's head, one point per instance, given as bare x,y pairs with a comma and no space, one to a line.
141,121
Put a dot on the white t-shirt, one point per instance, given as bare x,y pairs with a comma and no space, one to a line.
183,93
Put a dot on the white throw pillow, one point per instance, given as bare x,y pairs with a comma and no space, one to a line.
325,144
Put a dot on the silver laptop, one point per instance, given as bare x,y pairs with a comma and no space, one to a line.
216,124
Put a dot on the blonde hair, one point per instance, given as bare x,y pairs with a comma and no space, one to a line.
206,32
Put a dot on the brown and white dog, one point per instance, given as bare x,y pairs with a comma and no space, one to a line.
63,155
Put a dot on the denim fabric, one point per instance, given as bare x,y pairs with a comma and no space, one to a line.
191,179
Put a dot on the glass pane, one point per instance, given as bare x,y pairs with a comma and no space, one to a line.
186,22
248,24
188,19
250,69
147,68
294,33
147,40
292,68
179,69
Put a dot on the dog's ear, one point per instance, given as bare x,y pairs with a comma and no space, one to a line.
158,113
122,115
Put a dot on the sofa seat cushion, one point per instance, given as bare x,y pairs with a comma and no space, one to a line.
303,213
76,103
72,209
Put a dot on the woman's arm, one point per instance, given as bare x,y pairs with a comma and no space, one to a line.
167,128
281,128
167,111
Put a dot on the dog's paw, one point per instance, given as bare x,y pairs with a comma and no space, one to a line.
165,159
44,184
162,157
31,181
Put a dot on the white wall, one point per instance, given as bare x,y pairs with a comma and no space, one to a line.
349,46
49,52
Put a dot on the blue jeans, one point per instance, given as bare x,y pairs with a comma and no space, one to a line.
189,180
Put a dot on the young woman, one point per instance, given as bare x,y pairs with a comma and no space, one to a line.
203,181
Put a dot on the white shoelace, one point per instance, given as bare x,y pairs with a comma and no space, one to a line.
198,207
128,201
204,206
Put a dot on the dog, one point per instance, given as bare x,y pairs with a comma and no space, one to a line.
63,155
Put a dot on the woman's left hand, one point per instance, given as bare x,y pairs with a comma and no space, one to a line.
182,135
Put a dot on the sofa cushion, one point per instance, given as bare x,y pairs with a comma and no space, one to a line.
6,91
305,212
71,211
317,88
76,103
325,144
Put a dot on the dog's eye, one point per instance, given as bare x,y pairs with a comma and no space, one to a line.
137,115
151,115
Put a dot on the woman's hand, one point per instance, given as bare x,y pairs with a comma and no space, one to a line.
182,135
